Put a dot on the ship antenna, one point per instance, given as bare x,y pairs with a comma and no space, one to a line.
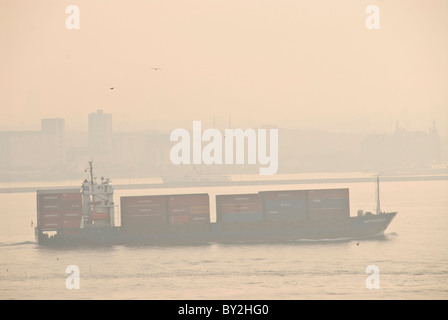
378,210
91,172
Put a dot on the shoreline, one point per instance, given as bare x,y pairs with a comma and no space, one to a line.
238,183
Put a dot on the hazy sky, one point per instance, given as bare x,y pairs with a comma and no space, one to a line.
304,64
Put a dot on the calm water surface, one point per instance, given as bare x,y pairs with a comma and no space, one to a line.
412,257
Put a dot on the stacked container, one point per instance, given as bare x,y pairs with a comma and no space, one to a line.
328,204
239,208
285,205
188,209
59,209
141,211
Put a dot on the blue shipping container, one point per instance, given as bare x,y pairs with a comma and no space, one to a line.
284,205
296,214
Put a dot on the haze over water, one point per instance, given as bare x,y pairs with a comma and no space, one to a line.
345,98
412,257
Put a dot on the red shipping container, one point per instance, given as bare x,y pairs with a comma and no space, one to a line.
49,206
200,210
238,198
144,220
188,199
48,224
179,219
71,206
71,224
284,195
144,210
328,194
48,197
49,215
74,215
143,200
71,197
240,207
199,218
60,206
178,210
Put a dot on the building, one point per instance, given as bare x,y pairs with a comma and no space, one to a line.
55,128
31,152
100,134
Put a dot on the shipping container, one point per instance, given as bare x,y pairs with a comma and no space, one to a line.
49,224
189,204
144,220
49,216
143,210
328,213
71,224
188,210
238,198
188,200
241,217
158,200
199,218
285,205
179,219
328,204
239,208
276,215
178,210
203,209
284,195
48,197
71,197
54,207
72,215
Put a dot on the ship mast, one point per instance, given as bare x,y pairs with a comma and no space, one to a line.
378,209
91,179
91,172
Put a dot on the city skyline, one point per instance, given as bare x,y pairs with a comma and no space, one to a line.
63,153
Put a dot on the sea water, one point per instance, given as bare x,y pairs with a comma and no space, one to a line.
410,261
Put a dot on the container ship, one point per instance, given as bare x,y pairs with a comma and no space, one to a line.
89,216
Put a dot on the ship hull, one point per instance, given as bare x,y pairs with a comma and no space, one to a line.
274,231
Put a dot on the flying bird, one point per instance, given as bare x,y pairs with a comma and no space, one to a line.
155,68
111,88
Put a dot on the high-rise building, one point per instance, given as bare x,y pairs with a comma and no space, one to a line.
100,133
55,128
34,150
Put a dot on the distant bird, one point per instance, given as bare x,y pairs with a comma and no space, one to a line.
111,88
357,243
156,69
